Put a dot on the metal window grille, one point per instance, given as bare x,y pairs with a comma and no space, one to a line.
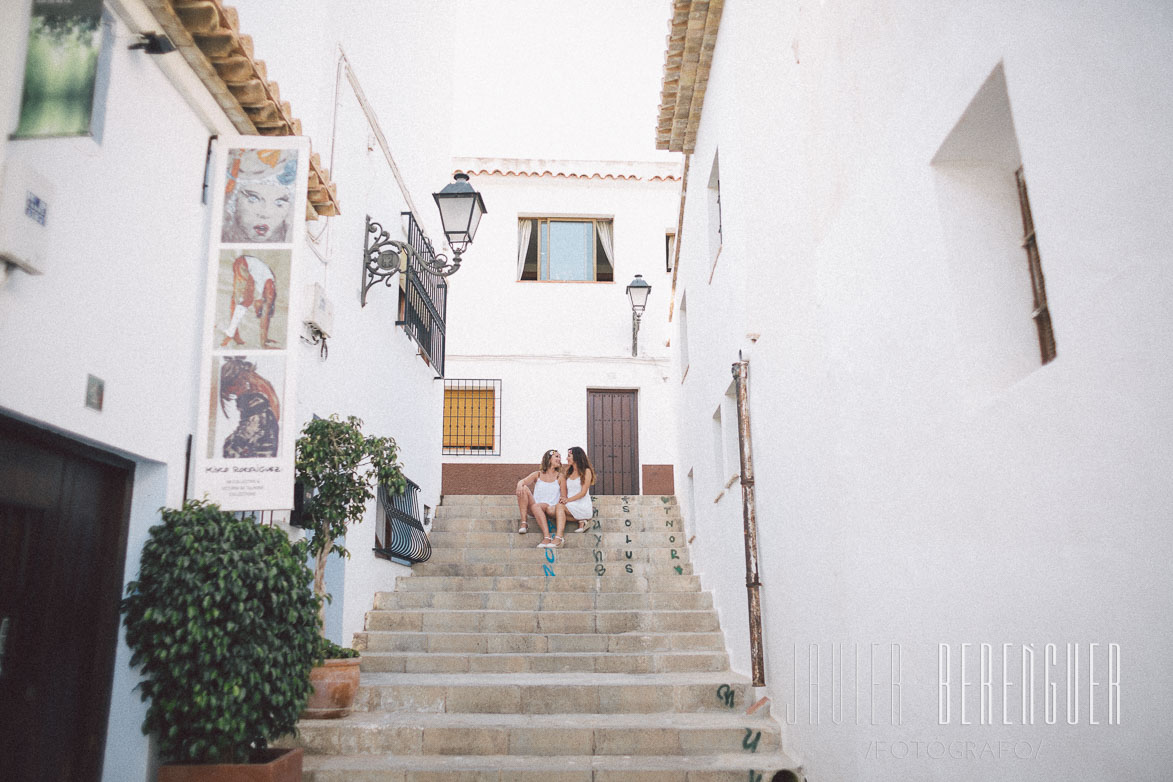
400,534
472,417
1041,313
423,300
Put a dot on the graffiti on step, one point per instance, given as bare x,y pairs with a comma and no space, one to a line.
549,571
679,570
725,695
751,745
754,776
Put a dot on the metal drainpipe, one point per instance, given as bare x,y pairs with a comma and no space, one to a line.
750,521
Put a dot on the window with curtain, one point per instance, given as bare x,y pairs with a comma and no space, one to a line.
472,417
565,249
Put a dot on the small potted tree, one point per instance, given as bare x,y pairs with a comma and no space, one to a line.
225,628
339,468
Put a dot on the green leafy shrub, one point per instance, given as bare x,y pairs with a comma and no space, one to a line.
225,627
339,467
332,651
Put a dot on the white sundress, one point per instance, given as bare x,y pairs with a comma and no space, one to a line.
581,509
546,492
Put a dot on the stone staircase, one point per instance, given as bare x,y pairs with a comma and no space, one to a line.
598,662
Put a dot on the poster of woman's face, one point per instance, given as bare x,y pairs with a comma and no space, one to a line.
245,406
258,196
252,299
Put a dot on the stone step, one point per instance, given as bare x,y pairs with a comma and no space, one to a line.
610,582
600,500
568,554
536,643
602,512
485,621
581,662
738,766
538,734
564,693
545,601
503,523
509,538
538,568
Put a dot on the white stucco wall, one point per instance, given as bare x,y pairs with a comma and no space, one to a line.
551,341
915,486
121,297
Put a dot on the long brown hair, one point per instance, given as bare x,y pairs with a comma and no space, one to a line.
581,464
546,457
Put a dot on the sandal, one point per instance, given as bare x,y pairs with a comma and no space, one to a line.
583,526
560,540
546,543
522,528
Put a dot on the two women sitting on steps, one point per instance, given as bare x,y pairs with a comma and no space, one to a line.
559,491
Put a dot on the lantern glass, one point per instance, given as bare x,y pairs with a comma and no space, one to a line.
461,208
638,290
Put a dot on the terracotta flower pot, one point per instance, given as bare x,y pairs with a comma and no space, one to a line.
276,765
335,684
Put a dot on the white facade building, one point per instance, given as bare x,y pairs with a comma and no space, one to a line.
555,344
927,484
120,300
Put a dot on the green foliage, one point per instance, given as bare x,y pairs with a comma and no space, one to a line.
225,627
332,651
339,467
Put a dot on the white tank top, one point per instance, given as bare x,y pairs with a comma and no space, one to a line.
546,492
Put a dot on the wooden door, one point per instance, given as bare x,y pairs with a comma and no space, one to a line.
64,510
613,441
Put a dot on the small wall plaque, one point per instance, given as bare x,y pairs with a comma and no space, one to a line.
95,390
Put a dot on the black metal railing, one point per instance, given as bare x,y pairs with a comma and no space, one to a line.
400,535
425,299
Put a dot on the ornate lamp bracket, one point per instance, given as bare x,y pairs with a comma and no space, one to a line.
383,257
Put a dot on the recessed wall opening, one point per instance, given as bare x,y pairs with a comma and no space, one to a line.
997,283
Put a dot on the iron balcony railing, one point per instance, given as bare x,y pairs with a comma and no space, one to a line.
400,534
425,299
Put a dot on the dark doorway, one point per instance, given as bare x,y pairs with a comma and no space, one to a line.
64,510
613,441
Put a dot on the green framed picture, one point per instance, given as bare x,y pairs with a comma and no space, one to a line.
61,68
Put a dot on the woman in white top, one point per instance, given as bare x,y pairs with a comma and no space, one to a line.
577,479
539,492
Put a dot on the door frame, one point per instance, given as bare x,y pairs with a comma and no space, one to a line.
96,702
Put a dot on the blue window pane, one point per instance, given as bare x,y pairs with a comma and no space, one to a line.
571,251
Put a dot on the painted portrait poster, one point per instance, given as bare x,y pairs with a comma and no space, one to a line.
259,196
252,299
245,415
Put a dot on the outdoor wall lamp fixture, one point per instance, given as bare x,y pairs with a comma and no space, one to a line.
461,208
637,290
153,43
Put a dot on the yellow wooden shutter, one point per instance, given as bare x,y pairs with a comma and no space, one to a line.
469,418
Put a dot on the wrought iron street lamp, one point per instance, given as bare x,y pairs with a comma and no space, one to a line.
461,208
637,290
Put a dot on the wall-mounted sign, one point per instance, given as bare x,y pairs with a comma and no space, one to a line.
245,440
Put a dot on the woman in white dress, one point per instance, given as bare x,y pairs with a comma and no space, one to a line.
539,492
575,503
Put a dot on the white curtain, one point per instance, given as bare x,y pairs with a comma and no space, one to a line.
605,234
524,229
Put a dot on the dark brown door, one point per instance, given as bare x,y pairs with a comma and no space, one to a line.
613,441
63,517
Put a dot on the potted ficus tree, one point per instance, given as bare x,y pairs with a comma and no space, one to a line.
339,468
224,627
